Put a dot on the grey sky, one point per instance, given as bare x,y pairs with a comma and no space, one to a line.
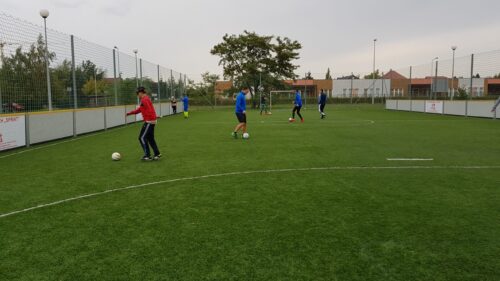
335,34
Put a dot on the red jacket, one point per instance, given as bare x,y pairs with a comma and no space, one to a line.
146,108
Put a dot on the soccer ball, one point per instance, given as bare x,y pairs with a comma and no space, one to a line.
246,135
116,156
290,119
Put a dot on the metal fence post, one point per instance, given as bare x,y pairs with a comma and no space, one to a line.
181,89
172,84
185,84
352,76
159,88
27,128
1,103
471,83
140,72
435,81
73,74
114,76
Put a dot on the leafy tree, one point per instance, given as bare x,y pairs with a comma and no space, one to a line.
462,94
497,76
96,87
309,76
373,75
204,90
477,76
23,76
328,76
248,58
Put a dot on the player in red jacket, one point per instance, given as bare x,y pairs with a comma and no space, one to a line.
147,135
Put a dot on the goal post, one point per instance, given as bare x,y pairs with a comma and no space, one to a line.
276,93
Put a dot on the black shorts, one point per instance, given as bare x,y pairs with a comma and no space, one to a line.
242,118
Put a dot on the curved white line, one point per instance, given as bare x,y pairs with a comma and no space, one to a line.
241,173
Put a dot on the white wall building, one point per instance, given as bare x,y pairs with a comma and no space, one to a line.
477,86
361,88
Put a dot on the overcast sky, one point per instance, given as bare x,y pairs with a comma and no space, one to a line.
336,34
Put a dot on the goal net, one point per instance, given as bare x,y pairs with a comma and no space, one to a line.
281,97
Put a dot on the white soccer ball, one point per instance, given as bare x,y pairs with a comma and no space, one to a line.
290,119
116,156
246,135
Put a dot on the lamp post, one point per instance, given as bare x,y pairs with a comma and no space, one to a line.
45,14
136,69
453,48
373,73
432,84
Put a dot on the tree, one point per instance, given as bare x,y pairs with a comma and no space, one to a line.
248,58
497,76
373,75
461,94
24,72
309,76
204,90
95,87
328,76
477,76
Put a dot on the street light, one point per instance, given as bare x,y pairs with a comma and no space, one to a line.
136,69
453,48
373,73
45,14
432,84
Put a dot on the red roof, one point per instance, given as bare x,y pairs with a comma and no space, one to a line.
493,81
393,75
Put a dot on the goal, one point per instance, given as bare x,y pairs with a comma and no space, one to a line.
281,97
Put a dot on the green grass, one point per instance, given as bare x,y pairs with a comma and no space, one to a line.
336,224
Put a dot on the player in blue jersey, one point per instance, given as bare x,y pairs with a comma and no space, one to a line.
185,101
241,107
322,103
297,106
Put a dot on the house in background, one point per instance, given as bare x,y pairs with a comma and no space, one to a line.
362,88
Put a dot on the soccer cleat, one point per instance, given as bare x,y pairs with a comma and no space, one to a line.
234,134
146,158
157,157
302,120
291,120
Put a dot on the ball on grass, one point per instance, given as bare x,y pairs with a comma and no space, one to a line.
116,156
246,135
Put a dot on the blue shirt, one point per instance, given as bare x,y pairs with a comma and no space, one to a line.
241,104
298,99
322,98
185,100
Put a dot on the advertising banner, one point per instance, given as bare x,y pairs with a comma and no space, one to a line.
12,132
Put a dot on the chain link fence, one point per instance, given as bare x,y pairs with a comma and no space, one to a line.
82,74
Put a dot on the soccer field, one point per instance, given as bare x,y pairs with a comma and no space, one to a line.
317,200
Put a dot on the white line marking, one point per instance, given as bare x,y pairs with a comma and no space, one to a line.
241,173
410,159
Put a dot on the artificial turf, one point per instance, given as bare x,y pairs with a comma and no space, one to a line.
356,217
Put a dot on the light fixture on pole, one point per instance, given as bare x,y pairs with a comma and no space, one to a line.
373,73
136,69
45,14
453,48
